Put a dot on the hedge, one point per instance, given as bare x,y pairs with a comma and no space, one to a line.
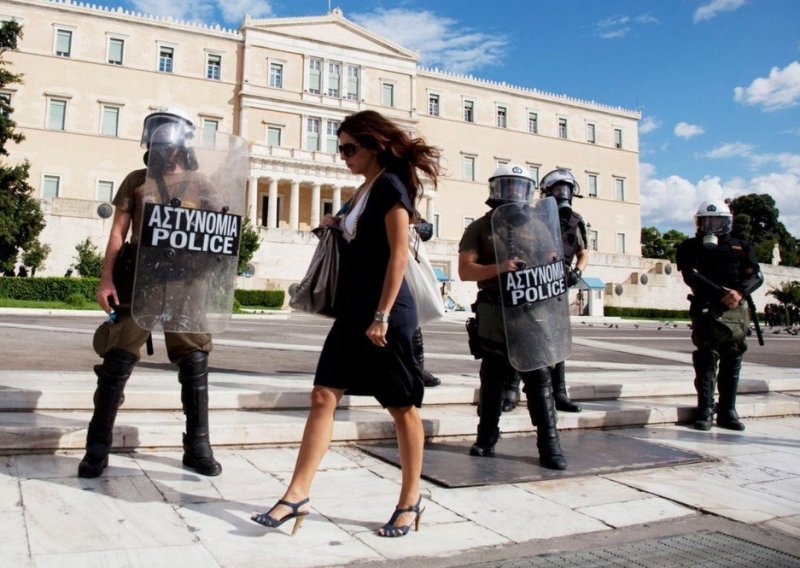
47,289
649,313
60,289
266,298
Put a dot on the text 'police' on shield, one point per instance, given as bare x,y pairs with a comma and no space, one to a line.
192,230
534,284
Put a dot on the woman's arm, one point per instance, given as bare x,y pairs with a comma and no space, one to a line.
106,288
397,223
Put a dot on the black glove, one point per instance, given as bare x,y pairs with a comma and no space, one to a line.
424,230
574,277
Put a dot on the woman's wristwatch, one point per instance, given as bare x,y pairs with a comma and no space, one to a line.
381,317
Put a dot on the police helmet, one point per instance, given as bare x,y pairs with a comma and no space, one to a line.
560,184
714,217
164,116
511,183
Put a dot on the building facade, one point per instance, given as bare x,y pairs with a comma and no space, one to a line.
92,74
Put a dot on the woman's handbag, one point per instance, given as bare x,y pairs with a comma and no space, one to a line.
422,281
316,292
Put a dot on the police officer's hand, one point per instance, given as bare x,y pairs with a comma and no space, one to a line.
511,265
574,277
107,294
732,298
376,333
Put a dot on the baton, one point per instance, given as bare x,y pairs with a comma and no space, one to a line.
753,314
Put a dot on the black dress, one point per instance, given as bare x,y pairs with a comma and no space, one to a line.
349,360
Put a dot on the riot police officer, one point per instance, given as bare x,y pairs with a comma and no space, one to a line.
478,261
171,162
721,271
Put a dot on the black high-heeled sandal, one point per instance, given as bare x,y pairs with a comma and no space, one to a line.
389,530
273,523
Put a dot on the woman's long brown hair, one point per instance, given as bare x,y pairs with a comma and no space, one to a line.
398,153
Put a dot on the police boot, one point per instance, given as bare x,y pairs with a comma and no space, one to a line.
542,409
111,377
729,369
193,376
484,445
704,369
419,354
559,384
511,392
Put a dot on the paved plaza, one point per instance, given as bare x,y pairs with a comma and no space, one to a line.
148,511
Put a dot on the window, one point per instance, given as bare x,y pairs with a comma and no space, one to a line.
63,43
533,122
469,168
592,185
214,66
621,243
562,128
617,138
499,163
210,127
334,79
5,104
105,190
56,114
331,139
502,117
468,221
436,219
534,169
50,186
315,76
327,207
590,133
116,49
619,189
469,111
388,95
276,75
593,239
353,82
274,135
166,56
265,211
312,134
110,121
433,104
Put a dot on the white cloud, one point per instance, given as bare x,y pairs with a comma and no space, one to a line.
686,130
710,10
780,90
618,26
671,202
731,150
648,124
789,163
440,40
231,11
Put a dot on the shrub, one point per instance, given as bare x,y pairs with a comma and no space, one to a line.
646,313
267,298
48,289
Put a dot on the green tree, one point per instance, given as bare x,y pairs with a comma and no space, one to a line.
249,245
788,294
656,245
756,219
35,255
21,218
89,260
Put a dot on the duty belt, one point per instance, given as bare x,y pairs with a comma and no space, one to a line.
491,296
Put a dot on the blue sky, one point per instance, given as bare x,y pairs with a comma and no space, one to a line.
717,81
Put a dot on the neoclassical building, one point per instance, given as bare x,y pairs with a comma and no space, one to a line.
92,74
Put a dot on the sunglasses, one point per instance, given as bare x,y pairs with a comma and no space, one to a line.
349,150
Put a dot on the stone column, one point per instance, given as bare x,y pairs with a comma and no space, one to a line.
315,205
337,198
252,200
272,204
294,206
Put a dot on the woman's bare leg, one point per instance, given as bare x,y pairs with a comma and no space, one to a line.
410,442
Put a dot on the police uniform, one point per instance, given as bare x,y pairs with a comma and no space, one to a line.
121,341
718,333
495,365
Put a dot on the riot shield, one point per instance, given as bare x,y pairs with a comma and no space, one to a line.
189,232
534,297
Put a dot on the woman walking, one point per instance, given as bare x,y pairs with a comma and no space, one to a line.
369,349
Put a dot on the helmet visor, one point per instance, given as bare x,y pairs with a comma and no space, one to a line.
511,189
561,191
714,225
157,122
